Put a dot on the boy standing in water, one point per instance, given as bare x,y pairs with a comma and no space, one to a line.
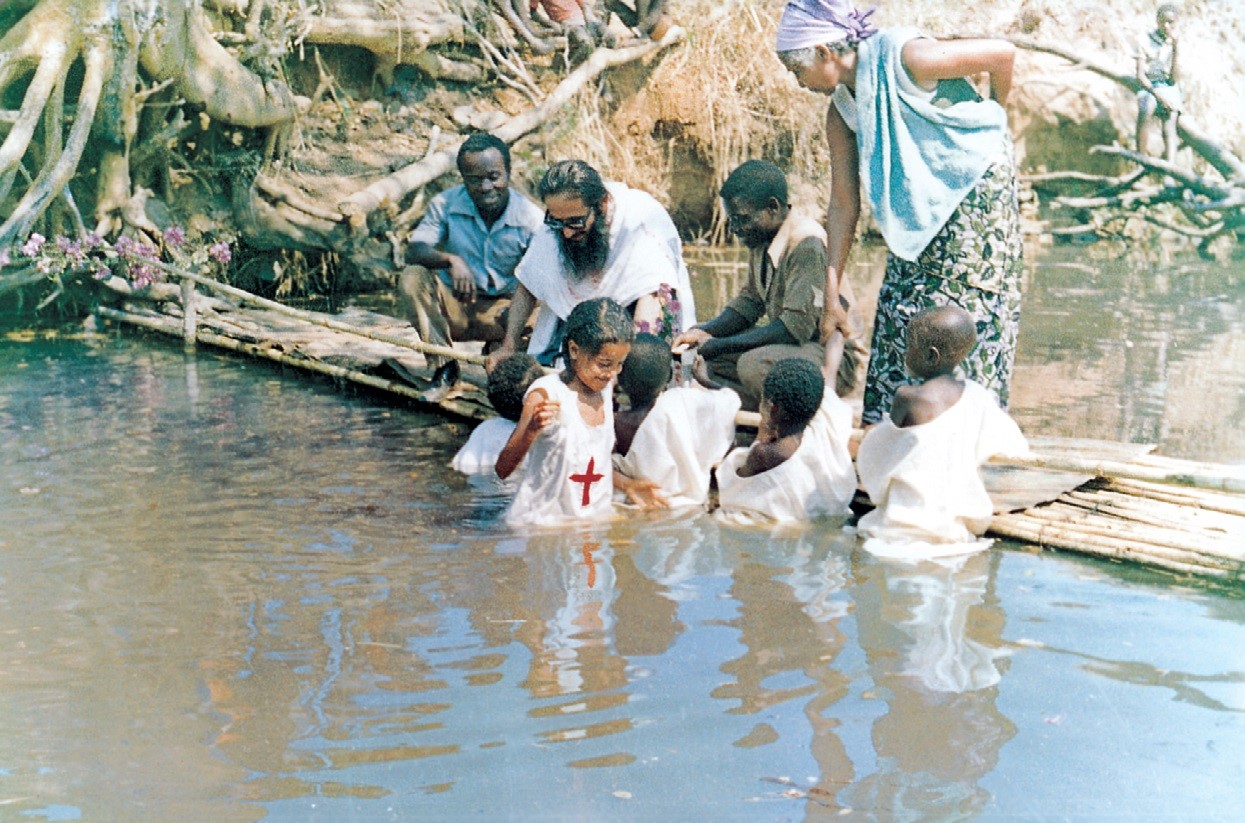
920,464
799,466
672,437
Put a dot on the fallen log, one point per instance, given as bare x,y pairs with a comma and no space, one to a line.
1202,476
392,189
316,318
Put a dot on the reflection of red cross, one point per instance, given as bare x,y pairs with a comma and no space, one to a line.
587,478
589,548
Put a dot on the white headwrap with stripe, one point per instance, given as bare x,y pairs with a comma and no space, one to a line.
807,23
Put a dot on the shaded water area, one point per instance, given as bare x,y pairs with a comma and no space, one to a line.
230,593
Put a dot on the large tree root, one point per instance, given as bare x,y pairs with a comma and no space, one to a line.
111,38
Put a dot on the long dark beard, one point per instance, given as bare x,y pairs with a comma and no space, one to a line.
588,256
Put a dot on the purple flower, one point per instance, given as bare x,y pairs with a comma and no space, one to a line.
72,249
174,236
124,246
5,259
142,275
92,241
33,243
99,271
220,252
643,327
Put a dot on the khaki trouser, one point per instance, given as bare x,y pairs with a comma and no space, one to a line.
440,317
745,371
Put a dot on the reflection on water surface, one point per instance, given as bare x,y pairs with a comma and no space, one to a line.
229,594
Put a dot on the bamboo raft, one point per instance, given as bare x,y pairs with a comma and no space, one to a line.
1112,501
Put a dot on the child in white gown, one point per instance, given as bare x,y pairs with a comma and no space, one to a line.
670,436
566,430
507,386
920,465
799,467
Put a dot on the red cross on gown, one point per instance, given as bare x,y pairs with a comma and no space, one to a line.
588,477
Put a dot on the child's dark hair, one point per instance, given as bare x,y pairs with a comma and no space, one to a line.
794,387
646,370
596,323
508,382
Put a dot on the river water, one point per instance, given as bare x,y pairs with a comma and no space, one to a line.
231,594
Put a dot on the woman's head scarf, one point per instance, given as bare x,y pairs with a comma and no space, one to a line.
807,23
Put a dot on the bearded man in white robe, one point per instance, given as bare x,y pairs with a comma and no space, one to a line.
598,240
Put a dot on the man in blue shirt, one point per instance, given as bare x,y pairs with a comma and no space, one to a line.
463,253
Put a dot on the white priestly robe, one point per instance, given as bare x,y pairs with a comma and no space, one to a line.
645,253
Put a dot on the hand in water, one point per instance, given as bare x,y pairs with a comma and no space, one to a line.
643,493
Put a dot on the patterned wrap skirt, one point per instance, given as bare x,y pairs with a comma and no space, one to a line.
975,262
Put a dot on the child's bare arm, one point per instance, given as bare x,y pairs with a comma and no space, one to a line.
700,372
834,356
538,412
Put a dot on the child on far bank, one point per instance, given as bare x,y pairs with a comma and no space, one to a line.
920,464
566,429
672,437
798,468
507,385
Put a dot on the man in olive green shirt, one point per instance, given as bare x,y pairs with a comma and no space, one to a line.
786,286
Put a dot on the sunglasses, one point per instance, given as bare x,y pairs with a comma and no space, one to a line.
572,223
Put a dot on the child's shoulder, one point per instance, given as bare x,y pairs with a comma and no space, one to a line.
925,402
764,457
549,385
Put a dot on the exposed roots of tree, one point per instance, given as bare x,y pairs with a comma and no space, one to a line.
160,90
128,51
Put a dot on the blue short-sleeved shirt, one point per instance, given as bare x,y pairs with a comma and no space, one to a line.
452,224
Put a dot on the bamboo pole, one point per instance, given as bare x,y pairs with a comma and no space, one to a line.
1223,478
1179,496
1019,527
171,327
189,313
1155,512
1124,530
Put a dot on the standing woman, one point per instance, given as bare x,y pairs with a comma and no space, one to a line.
936,162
